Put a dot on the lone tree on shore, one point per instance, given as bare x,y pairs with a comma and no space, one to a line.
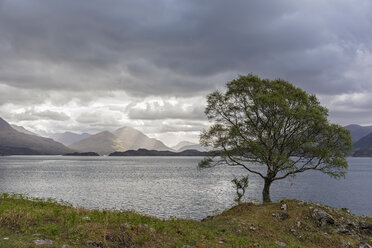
274,124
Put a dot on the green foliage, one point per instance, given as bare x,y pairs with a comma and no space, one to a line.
206,162
275,124
240,186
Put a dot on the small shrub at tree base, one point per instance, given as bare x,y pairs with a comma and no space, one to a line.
240,186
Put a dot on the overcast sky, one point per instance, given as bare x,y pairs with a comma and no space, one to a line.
94,65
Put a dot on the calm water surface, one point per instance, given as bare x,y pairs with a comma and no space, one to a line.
171,186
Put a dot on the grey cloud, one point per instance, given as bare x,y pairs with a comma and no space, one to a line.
100,119
70,54
32,115
34,96
196,126
173,127
361,117
156,111
177,48
12,95
88,118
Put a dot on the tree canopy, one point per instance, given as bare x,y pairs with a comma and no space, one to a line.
274,124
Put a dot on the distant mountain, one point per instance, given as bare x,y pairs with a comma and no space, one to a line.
122,139
187,145
145,152
182,144
22,130
364,143
101,143
14,142
68,138
362,140
131,139
358,131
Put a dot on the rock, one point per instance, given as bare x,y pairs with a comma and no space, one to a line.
283,207
95,243
343,231
305,203
364,245
282,216
295,233
366,226
298,223
186,246
345,210
351,223
281,244
346,244
43,242
208,218
65,246
322,218
6,238
252,228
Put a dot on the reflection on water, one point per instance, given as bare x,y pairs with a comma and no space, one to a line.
171,186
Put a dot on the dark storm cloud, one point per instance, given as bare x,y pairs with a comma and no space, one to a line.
175,47
75,54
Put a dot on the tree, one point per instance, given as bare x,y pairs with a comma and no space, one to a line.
276,125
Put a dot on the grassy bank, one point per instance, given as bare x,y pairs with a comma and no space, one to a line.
24,220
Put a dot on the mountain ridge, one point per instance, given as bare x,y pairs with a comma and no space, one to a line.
68,138
22,129
181,144
13,141
357,131
121,139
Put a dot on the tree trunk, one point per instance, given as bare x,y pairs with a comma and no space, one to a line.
266,191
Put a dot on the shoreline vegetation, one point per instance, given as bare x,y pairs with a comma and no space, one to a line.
26,222
145,152
89,154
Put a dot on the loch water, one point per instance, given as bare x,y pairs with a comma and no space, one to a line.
172,186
